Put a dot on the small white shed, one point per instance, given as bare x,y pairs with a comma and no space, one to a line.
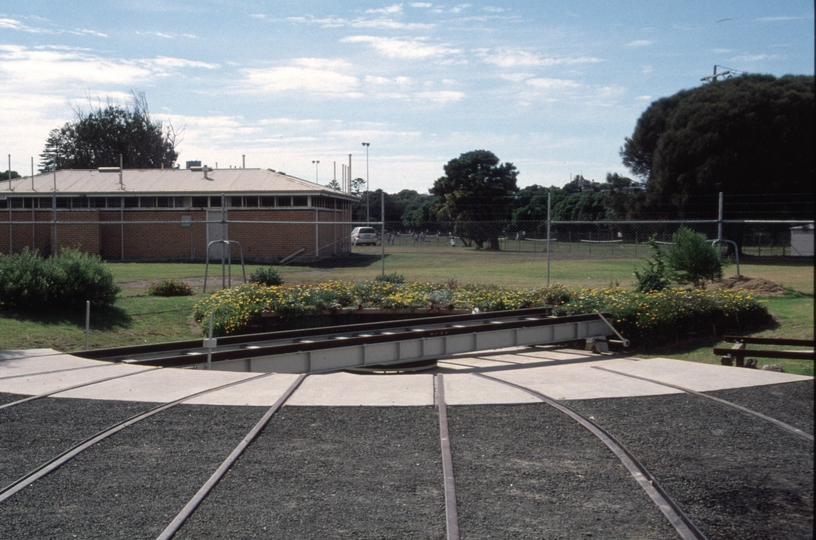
802,241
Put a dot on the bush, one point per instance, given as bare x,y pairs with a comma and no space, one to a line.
68,280
692,260
266,275
169,287
654,277
390,278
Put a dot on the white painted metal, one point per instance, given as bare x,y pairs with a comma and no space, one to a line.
412,350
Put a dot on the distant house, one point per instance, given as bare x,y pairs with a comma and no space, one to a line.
173,214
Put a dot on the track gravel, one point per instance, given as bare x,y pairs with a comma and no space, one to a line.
735,476
529,471
341,472
791,403
132,484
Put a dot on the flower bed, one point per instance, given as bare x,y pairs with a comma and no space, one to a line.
646,319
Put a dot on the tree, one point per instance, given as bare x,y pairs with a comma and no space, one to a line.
98,138
476,189
690,259
334,184
8,175
750,135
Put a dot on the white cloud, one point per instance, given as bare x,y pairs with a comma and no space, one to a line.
511,58
756,57
407,48
643,98
421,4
544,83
301,79
639,43
396,8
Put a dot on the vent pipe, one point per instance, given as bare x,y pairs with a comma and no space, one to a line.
9,174
243,161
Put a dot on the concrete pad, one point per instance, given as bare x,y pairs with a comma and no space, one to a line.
578,381
37,383
352,389
28,362
158,385
703,377
468,389
263,392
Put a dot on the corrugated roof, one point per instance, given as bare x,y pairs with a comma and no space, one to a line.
167,181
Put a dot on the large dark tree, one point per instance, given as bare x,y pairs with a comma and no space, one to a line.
751,135
476,193
98,138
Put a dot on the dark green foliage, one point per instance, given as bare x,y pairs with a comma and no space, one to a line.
98,138
692,260
390,278
169,287
476,189
749,135
655,276
266,275
27,281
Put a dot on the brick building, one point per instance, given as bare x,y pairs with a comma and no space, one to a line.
174,214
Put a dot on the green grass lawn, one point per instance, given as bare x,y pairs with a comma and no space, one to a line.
794,319
137,318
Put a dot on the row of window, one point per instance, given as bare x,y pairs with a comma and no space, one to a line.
233,201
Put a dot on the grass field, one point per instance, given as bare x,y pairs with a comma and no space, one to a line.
138,318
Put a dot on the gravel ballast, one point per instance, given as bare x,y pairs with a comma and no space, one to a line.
341,472
132,484
36,431
791,403
529,471
734,475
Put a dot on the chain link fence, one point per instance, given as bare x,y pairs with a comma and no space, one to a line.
151,246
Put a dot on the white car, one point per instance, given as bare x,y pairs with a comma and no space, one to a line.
361,236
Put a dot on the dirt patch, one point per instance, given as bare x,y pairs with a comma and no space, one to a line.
757,286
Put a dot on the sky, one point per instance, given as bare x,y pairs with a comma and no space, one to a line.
553,87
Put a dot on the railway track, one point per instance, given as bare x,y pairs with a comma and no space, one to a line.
295,451
362,345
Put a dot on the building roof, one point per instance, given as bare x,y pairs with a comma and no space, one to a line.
106,182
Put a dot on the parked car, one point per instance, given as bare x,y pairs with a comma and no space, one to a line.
361,236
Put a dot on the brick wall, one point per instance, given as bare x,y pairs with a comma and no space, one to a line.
176,234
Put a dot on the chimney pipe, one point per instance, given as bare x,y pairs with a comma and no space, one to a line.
243,161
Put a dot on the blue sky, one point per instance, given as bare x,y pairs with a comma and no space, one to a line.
553,87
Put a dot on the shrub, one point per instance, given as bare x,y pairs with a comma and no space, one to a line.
390,278
169,287
654,277
266,275
691,259
68,280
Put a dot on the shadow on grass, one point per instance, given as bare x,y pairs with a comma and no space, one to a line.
355,260
693,344
104,318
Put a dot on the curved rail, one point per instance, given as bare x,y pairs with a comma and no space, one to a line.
774,421
58,461
670,509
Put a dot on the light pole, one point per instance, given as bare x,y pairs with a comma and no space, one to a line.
368,219
316,162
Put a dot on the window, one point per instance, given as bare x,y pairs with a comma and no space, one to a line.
147,202
300,201
164,202
199,202
284,201
268,202
131,202
251,202
215,202
97,202
236,202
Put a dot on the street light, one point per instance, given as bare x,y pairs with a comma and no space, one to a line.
316,162
368,219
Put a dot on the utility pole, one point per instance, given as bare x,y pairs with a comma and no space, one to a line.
727,74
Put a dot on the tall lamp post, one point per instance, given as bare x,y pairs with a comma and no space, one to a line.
316,162
368,218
